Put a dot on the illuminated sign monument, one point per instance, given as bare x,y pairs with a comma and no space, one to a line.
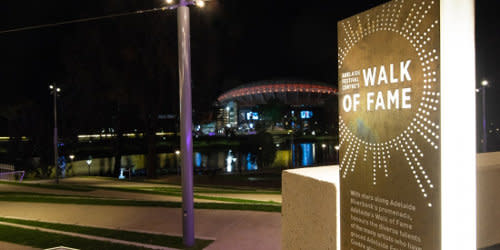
394,83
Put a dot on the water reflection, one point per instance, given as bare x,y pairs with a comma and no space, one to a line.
251,162
197,159
232,161
308,154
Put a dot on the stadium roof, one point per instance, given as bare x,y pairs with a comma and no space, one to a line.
287,92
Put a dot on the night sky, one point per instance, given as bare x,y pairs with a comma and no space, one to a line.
130,63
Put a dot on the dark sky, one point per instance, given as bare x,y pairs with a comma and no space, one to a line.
233,42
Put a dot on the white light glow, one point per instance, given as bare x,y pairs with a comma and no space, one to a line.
458,153
200,3
177,152
484,83
229,161
169,1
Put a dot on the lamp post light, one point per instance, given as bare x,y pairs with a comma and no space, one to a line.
54,90
186,116
484,85
337,147
89,162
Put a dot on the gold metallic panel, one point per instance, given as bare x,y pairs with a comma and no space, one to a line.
389,104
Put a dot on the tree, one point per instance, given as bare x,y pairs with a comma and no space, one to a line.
129,66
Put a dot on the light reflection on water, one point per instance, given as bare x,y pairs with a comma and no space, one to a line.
308,153
251,162
231,161
216,160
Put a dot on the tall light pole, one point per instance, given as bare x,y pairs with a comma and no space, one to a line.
54,90
186,123
186,117
484,84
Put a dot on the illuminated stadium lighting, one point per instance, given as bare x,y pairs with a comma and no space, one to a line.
260,90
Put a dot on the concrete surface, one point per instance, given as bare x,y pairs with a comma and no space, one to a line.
230,229
309,208
488,202
10,246
488,199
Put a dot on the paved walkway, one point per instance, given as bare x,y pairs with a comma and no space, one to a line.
230,229
10,246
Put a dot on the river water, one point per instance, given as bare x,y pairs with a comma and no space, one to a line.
216,161
230,161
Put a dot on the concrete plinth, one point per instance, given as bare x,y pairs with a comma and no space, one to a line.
310,197
309,208
488,199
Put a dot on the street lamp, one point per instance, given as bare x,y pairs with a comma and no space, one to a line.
186,117
200,3
54,90
337,147
89,162
484,85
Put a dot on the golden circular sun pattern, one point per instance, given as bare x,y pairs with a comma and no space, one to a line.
420,31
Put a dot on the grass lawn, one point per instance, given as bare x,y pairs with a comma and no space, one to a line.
81,200
154,239
209,190
76,188
38,239
178,193
170,191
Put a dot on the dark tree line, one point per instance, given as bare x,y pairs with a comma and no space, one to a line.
125,75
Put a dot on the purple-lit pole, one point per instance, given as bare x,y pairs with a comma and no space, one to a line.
484,84
186,123
55,90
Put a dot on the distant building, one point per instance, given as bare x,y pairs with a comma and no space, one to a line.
293,105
